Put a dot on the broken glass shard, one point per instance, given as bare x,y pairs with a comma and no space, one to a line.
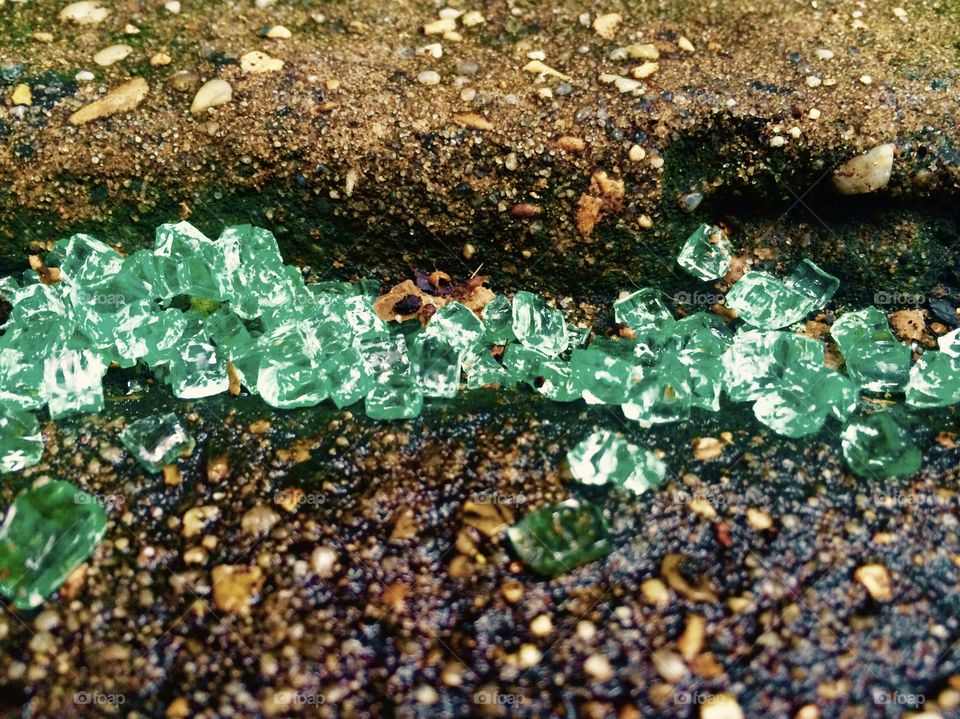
706,254
557,538
156,441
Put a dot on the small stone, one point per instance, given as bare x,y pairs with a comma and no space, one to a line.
259,520
537,67
256,62
813,81
112,54
721,706
87,12
823,53
434,50
84,76
866,79
279,32
472,19
212,93
123,98
473,121
235,587
866,173
160,59
48,532
172,7
44,37
876,580
645,51
636,153
623,84
814,114
439,27
429,77
598,667
183,80
684,44
645,70
323,561
21,95
606,25
541,626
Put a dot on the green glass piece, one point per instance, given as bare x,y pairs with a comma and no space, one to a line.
877,446
756,361
21,444
705,332
555,381
384,354
289,373
436,365
197,261
482,369
73,382
934,381
522,362
347,381
873,356
642,310
50,530
156,441
808,279
706,254
369,286
140,329
226,329
322,290
394,396
253,277
498,321
604,377
607,458
950,343
556,538
706,378
662,395
801,403
538,325
457,325
21,379
763,301
38,302
197,370
85,261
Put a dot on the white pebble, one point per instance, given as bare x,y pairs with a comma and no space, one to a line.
434,50
900,13
814,114
429,77
473,18
279,32
87,12
109,55
172,6
467,94
824,54
795,132
537,55
684,44
84,76
777,141
814,81
212,93
866,79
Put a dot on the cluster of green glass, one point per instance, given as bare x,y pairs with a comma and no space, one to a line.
196,311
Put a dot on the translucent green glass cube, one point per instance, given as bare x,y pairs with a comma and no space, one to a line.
85,261
539,326
557,538
555,381
879,446
604,378
21,380
50,530
662,395
482,369
763,301
706,254
605,457
643,310
757,360
347,381
394,396
21,444
197,370
934,381
874,358
457,325
498,321
801,404
436,365
73,382
156,441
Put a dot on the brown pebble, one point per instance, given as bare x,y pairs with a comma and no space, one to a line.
526,210
571,143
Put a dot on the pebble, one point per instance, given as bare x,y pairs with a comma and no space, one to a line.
645,70
643,51
541,626
866,79
865,173
323,560
876,580
172,6
814,113
84,76
606,25
469,250
536,55
22,95
759,520
212,93
438,27
434,50
598,667
429,77
256,63
426,694
129,29
777,141
539,68
467,94
813,81
86,12
123,98
569,143
623,84
450,12
636,153
684,44
473,18
452,36
43,36
824,54
279,32
183,80
112,54
529,656
464,67
721,706
234,587
259,520
900,13
160,59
